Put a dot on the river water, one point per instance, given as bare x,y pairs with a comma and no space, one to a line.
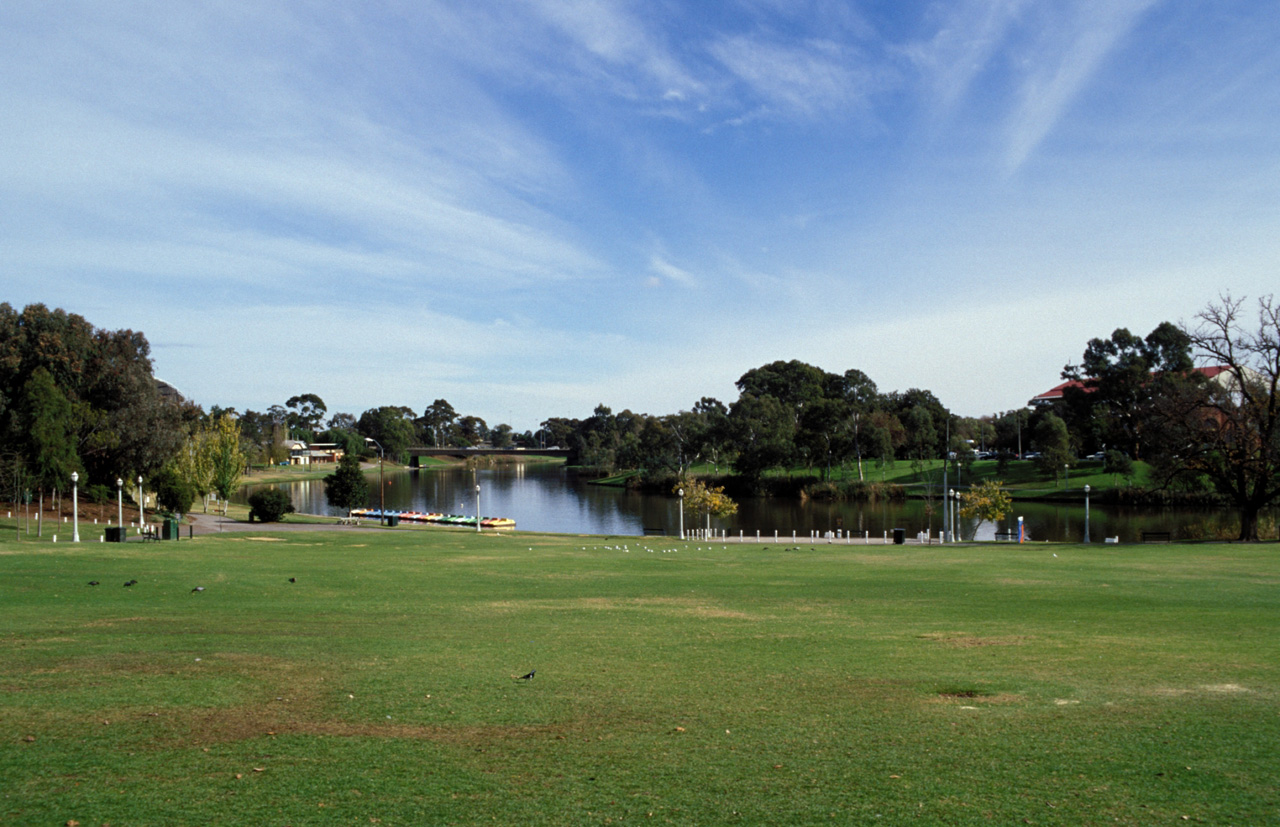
547,498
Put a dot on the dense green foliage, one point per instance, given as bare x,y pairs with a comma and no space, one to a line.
174,494
745,685
74,397
1119,383
347,487
269,505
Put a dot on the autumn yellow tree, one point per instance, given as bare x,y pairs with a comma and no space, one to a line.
226,457
193,464
985,501
702,499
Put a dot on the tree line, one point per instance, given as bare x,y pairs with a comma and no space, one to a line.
76,398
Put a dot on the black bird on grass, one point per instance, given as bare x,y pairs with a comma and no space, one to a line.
197,589
293,580
93,582
129,583
527,677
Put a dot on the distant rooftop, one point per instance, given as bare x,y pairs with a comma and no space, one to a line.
1056,392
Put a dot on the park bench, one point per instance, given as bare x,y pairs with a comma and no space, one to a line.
348,521
659,531
150,534
1155,536
1007,535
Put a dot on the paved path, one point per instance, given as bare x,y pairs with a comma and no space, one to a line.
215,524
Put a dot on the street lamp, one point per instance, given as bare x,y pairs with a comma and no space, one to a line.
681,493
75,507
382,486
142,507
946,511
955,529
477,509
119,502
1086,513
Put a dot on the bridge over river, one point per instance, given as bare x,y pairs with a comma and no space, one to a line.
463,453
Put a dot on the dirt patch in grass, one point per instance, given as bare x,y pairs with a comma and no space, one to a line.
294,715
1213,689
973,642
673,605
976,695
108,622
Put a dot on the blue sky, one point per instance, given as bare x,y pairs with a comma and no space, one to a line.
530,208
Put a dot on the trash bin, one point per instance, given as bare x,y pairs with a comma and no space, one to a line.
169,529
116,534
899,536
393,519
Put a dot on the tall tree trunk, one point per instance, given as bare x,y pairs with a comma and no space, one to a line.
1248,523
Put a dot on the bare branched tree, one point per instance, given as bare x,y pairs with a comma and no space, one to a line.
1233,433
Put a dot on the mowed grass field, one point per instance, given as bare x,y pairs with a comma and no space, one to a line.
676,683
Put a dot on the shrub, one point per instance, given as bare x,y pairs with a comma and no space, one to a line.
269,505
346,487
173,494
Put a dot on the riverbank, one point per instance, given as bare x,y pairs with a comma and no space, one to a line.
1023,480
318,471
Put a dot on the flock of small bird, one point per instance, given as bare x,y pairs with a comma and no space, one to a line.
626,549
196,590
130,583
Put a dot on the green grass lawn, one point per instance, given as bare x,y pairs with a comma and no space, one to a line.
705,685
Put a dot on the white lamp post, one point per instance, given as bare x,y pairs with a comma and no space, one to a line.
681,493
477,509
955,527
1086,513
120,502
142,507
75,507
382,486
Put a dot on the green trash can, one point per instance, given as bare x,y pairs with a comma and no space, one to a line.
899,536
116,534
169,529
393,519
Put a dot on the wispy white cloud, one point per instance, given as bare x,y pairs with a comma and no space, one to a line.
808,78
1072,46
968,35
486,188
609,31
670,272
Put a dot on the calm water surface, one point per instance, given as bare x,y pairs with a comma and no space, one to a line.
548,498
